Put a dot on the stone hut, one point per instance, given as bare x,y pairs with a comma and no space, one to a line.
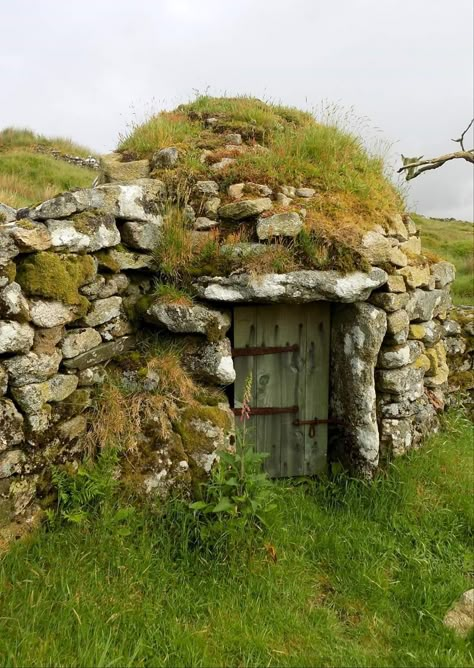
255,242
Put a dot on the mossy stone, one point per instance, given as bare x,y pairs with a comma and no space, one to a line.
56,276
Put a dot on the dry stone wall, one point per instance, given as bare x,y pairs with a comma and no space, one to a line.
76,275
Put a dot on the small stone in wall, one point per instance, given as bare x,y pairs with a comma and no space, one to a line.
234,139
279,225
165,158
15,337
203,224
103,310
395,284
46,339
31,398
10,462
213,362
390,301
142,235
7,213
236,190
412,246
395,436
406,380
222,164
211,207
283,200
428,332
31,237
196,319
13,304
121,260
424,305
394,357
115,328
94,375
245,208
11,422
206,188
3,380
101,353
79,341
32,367
396,227
289,191
49,313
397,257
416,277
444,273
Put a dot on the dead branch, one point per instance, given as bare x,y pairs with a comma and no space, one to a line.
460,141
417,168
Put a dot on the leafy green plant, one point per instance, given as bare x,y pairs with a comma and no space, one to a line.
88,492
239,493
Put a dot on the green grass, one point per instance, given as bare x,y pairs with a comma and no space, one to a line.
364,576
27,178
23,138
452,241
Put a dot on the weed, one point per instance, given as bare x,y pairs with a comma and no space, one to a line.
170,294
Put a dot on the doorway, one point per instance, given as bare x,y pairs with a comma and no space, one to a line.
286,349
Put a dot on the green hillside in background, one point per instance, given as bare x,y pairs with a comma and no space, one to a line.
30,174
451,240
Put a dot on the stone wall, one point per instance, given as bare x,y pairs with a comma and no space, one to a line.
76,295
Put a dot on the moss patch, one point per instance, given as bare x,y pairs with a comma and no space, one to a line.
193,438
56,276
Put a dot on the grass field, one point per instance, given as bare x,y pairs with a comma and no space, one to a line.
363,577
28,177
453,241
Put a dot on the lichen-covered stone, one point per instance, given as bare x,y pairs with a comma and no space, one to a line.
13,304
395,284
206,188
444,273
245,208
142,235
3,380
101,353
203,224
279,225
356,336
46,339
415,276
114,169
195,319
7,214
213,362
94,375
103,310
45,313
11,425
89,231
412,246
305,192
299,287
397,257
211,207
406,380
31,398
106,286
31,237
394,357
396,227
10,462
390,301
79,341
438,366
119,259
165,158
428,332
32,367
15,337
73,428
424,305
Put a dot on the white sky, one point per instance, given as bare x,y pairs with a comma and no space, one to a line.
85,69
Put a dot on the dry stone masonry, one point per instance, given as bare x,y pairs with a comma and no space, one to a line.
76,293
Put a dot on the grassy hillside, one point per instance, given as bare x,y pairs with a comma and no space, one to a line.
28,176
350,574
452,241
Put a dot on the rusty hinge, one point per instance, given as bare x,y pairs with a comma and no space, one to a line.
268,411
262,350
313,424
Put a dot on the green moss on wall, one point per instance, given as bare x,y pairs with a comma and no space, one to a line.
56,276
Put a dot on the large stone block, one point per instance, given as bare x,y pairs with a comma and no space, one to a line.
86,232
297,287
32,367
31,398
424,305
357,333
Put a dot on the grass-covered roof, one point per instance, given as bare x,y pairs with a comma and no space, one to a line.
352,191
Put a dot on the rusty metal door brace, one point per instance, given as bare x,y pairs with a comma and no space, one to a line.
313,424
249,352
268,411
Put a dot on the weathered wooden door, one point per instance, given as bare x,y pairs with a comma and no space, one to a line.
286,348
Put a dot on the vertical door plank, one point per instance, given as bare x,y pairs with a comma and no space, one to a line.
292,330
317,384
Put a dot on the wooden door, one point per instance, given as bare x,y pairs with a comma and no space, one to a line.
286,348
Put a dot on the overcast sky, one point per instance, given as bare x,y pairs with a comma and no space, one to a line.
85,69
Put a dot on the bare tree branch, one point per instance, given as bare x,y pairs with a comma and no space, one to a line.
417,168
460,141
